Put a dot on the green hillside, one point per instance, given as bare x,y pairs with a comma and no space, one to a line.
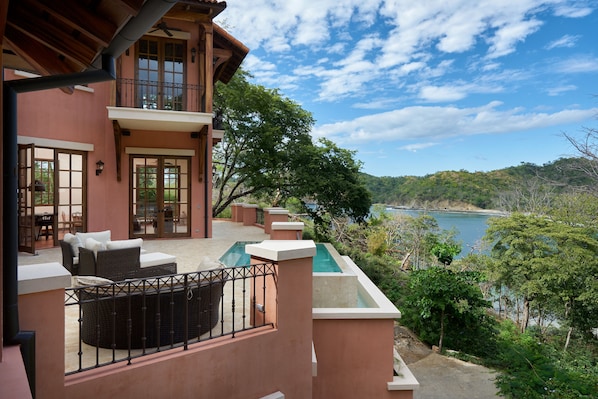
477,190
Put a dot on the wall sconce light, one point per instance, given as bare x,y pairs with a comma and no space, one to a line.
193,54
99,167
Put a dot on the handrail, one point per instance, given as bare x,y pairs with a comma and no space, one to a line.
122,321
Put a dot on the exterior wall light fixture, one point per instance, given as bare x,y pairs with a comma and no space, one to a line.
99,167
193,54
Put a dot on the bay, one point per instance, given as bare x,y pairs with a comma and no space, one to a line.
470,226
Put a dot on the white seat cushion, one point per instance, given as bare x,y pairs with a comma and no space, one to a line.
155,258
119,244
101,236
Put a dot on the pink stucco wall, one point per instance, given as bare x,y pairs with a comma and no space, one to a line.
43,312
355,359
82,117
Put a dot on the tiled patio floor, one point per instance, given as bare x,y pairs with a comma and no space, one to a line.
188,251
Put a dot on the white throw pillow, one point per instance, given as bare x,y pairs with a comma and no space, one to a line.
75,243
95,246
119,244
101,236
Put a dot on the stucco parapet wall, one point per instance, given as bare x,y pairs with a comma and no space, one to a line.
288,225
250,205
42,277
280,250
379,306
277,211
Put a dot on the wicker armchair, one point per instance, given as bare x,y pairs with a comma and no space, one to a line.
68,258
156,315
119,264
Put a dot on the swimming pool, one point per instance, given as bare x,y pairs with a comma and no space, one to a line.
323,261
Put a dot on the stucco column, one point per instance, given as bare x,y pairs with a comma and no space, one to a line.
289,305
236,212
287,230
41,309
249,214
272,215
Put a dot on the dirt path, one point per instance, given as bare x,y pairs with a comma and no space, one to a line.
442,377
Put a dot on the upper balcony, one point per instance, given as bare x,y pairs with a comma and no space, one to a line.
155,105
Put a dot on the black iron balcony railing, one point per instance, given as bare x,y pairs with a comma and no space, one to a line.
122,321
170,96
259,216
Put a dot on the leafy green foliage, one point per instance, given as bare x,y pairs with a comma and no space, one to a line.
533,367
447,307
552,265
445,252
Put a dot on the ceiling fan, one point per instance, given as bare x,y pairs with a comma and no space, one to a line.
163,27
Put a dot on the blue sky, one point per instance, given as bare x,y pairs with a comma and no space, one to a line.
416,87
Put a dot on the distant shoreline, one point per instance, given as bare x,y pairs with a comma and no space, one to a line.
489,212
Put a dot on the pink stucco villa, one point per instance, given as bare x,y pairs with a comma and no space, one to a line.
107,124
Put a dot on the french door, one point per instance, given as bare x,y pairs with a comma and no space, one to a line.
160,74
51,195
160,196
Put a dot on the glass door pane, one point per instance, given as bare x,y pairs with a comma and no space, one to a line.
70,208
176,196
26,204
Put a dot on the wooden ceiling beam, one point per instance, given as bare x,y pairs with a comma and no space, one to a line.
45,61
80,18
63,43
132,6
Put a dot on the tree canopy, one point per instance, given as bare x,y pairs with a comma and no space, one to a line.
551,264
268,152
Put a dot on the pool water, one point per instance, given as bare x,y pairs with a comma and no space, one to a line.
323,261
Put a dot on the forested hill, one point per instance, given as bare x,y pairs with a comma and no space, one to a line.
483,190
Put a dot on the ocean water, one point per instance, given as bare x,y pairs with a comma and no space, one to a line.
470,226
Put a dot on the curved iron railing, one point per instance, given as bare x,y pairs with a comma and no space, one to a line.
122,321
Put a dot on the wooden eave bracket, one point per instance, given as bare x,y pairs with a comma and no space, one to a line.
202,152
117,148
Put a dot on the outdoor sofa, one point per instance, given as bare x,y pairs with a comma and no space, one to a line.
121,264
154,311
95,254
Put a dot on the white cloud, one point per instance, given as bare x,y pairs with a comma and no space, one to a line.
565,41
418,146
571,11
442,94
508,35
555,91
434,122
578,64
409,38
